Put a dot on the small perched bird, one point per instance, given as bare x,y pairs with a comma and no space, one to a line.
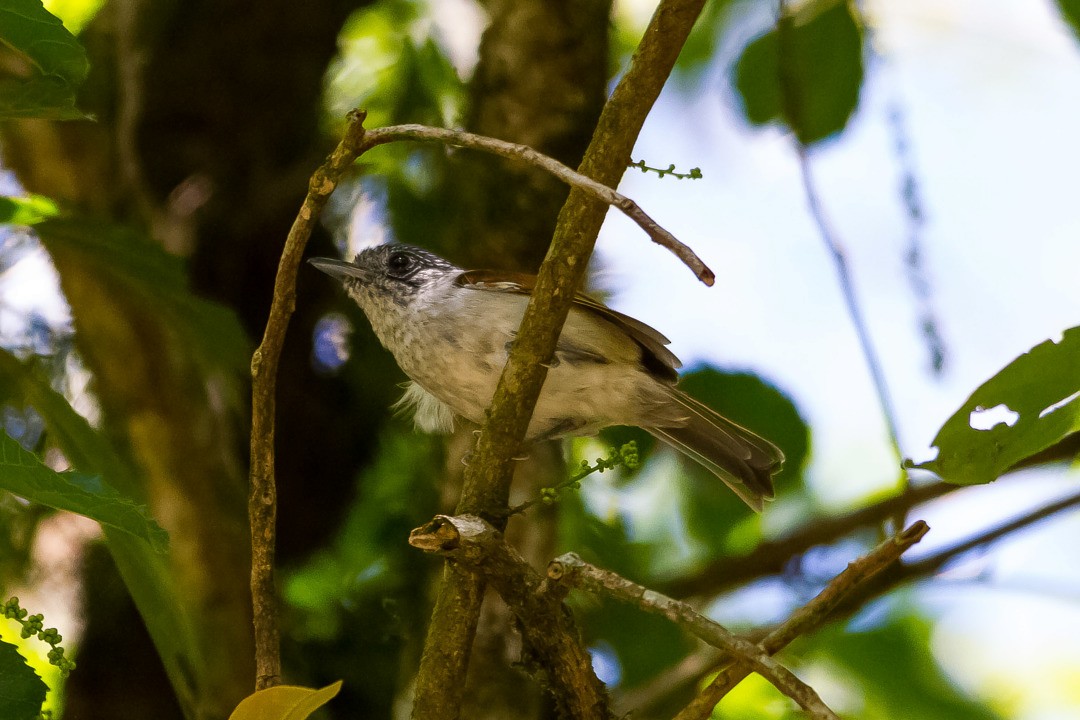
450,331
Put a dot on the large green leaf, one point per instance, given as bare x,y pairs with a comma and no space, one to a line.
894,672
144,569
57,63
806,75
715,517
22,692
156,280
1037,398
24,475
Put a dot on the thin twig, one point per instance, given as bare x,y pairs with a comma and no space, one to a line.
262,498
851,300
524,153
572,570
486,485
793,111
806,618
930,565
546,624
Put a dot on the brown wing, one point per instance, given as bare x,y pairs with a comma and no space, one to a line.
656,357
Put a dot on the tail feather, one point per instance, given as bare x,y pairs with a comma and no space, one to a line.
744,461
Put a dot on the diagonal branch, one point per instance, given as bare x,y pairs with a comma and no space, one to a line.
571,570
515,151
806,618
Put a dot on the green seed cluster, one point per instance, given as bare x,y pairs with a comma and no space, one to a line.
35,625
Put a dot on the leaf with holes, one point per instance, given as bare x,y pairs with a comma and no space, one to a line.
21,690
1033,403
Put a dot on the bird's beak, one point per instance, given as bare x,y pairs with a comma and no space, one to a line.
339,269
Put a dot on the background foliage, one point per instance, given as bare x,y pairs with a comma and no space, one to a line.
162,202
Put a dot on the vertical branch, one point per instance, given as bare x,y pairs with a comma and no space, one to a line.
262,498
793,112
487,479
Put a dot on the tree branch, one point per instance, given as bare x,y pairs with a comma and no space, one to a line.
524,153
772,556
572,570
547,626
487,479
806,618
262,497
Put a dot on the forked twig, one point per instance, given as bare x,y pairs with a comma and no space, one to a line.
515,151
806,618
571,570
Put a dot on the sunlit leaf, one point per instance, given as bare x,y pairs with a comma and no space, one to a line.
24,475
808,77
56,63
26,210
284,702
22,692
1037,399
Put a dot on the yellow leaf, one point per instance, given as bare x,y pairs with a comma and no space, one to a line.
284,702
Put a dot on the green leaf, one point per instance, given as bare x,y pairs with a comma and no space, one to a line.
894,668
145,570
57,63
24,475
156,280
807,75
22,692
1039,392
1070,12
284,702
26,210
716,517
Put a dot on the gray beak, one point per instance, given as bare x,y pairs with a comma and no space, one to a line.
339,269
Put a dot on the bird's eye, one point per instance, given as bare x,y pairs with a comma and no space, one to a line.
399,263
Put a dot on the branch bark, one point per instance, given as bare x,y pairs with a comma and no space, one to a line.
772,556
572,570
262,497
806,618
547,626
515,151
487,479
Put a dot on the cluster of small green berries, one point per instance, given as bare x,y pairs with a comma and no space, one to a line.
626,456
694,174
35,625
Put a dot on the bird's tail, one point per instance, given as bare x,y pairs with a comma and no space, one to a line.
743,460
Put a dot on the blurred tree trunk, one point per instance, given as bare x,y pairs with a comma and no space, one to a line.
207,129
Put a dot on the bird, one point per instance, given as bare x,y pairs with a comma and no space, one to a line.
450,331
